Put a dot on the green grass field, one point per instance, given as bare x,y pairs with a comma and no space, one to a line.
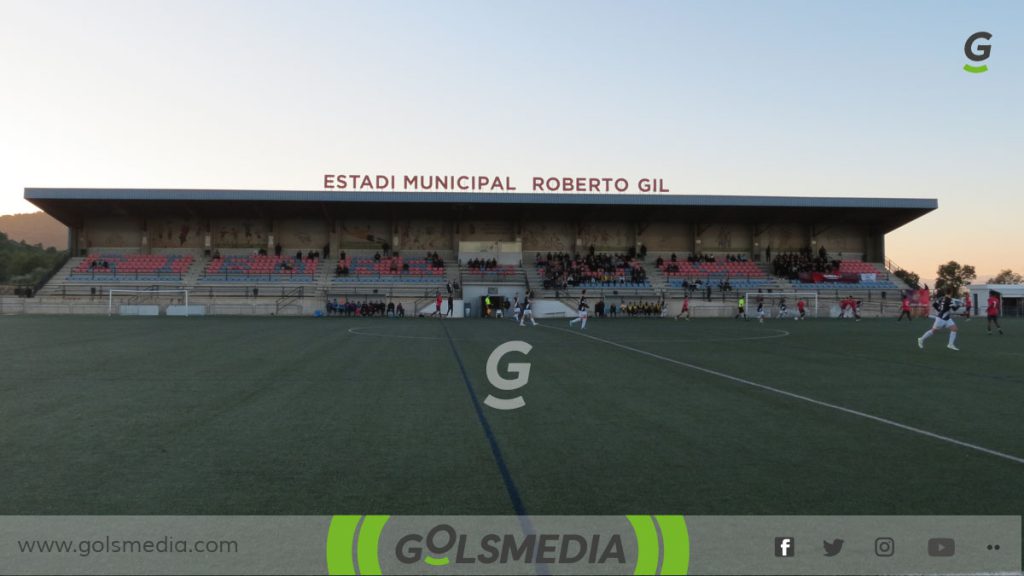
337,416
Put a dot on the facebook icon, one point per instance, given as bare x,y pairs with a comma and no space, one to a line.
785,547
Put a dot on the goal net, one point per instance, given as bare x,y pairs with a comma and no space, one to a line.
144,302
772,304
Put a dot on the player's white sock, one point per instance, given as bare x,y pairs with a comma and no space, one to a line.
927,335
583,324
952,338
574,320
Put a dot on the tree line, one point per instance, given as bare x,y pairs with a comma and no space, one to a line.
23,264
954,276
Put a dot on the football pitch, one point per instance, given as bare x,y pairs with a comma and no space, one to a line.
380,416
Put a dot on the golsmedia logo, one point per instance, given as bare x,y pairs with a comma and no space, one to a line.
520,369
977,51
443,545
508,545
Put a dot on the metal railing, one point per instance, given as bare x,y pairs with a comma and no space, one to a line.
113,275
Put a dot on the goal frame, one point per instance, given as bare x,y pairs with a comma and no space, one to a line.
751,297
112,291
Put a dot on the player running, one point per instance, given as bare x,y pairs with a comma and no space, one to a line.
944,307
760,309
582,308
517,310
686,308
992,312
527,309
437,306
783,309
905,310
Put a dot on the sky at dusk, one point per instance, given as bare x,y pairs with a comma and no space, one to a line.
747,98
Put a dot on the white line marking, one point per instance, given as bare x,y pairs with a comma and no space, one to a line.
893,423
356,331
782,334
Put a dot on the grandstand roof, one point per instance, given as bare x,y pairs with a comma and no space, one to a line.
69,204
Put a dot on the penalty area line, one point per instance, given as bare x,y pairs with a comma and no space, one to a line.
793,395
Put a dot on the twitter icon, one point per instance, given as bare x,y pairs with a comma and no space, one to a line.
834,547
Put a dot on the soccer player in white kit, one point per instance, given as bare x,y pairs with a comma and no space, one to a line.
527,309
944,308
582,308
783,309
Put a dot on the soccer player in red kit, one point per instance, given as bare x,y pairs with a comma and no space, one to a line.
801,307
992,311
905,310
437,306
686,308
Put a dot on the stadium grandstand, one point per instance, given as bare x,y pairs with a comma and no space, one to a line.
291,253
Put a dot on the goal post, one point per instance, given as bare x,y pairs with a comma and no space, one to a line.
772,300
144,292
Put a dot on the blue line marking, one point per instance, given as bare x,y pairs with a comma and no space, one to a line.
506,476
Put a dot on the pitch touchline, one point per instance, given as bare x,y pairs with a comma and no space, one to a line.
358,332
893,423
781,334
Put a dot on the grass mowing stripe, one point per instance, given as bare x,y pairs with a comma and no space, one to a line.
506,476
893,423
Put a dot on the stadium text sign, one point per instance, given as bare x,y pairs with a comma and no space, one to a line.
477,183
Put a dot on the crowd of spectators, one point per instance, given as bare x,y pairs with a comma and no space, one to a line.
368,309
791,264
435,260
480,264
630,309
560,270
671,265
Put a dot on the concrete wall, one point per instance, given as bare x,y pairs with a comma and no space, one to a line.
842,238
784,238
425,235
666,236
486,230
548,236
364,233
607,236
239,233
725,238
175,233
302,234
111,232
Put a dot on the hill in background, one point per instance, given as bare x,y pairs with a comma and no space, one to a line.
23,264
35,228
